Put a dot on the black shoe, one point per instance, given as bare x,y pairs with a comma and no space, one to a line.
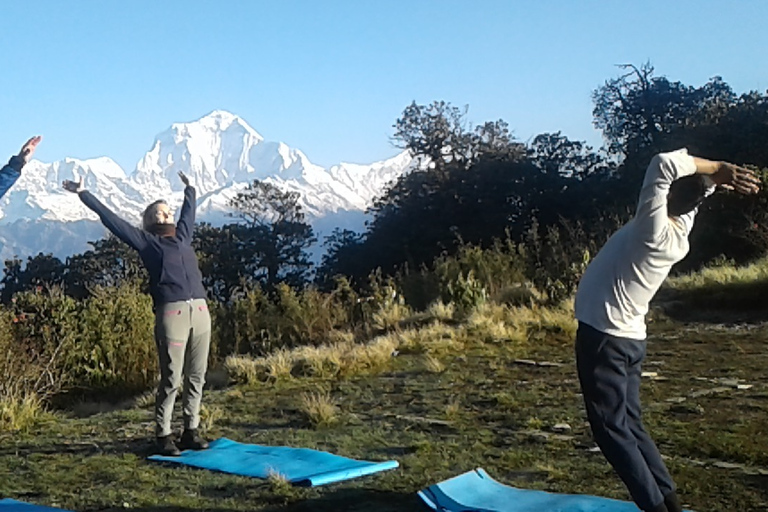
166,445
191,440
673,502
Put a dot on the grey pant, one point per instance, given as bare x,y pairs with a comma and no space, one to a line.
609,372
183,337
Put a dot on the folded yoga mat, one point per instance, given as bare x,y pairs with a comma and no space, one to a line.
300,466
9,505
475,491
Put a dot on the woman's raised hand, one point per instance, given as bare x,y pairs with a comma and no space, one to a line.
73,186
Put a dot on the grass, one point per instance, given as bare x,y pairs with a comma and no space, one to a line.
320,408
481,409
390,315
433,364
720,275
718,293
21,412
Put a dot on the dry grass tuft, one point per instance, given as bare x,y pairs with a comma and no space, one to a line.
278,483
320,408
390,316
441,311
209,415
495,322
20,412
279,364
453,408
433,364
144,400
244,369
435,337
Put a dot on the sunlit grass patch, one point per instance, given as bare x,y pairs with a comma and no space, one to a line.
343,358
434,337
210,415
319,408
391,315
433,364
720,287
20,412
441,311
721,273
525,323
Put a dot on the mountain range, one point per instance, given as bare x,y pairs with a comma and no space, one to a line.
220,153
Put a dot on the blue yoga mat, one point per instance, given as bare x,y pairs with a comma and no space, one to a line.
9,505
475,491
300,466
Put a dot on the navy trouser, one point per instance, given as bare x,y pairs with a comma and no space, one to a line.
609,373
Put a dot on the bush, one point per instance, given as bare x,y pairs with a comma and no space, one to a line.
557,256
258,324
465,292
115,348
52,343
494,268
44,329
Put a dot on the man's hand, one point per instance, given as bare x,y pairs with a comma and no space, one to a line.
28,149
184,179
734,177
73,186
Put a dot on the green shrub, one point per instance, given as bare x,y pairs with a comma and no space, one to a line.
258,324
494,268
44,328
557,256
115,349
465,292
54,343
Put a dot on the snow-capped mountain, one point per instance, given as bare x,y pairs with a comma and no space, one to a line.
220,153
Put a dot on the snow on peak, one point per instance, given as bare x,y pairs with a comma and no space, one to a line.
216,121
220,153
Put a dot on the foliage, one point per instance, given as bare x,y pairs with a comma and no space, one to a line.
279,237
103,343
41,270
115,347
256,323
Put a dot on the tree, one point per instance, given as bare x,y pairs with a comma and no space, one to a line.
343,251
226,257
40,271
439,136
110,262
278,235
636,110
641,115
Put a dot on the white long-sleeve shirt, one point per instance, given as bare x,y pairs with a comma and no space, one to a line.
618,285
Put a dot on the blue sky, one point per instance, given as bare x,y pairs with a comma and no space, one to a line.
102,78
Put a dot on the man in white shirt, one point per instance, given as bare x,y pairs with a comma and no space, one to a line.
611,304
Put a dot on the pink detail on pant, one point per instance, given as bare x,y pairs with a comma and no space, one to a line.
202,308
176,344
172,312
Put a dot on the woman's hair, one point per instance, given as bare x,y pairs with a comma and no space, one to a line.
685,194
148,217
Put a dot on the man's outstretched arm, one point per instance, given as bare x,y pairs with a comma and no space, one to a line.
11,172
729,176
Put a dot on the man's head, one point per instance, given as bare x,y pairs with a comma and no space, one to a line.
158,218
685,194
